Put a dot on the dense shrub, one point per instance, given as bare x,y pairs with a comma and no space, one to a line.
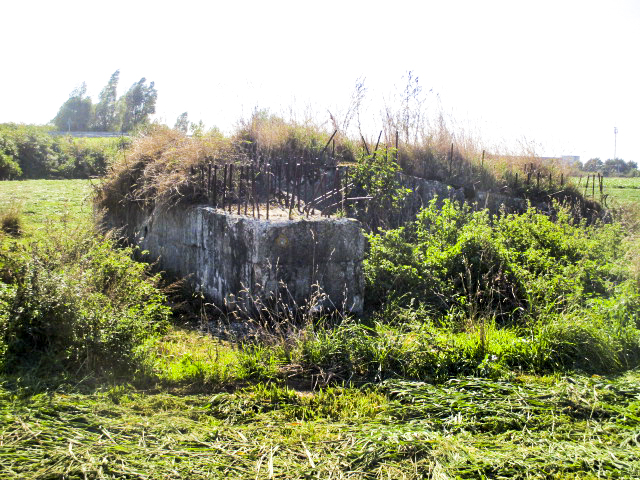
376,176
29,151
9,168
456,260
74,303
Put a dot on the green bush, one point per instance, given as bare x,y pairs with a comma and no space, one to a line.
29,151
76,305
376,176
459,261
8,167
459,292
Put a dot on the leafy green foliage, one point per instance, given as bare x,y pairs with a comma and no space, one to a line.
110,114
76,113
9,168
612,167
505,425
28,151
454,259
76,304
182,123
376,176
33,150
138,103
106,115
9,164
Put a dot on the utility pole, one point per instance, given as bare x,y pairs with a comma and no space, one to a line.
615,141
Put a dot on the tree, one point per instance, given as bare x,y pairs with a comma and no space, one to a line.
106,116
182,123
615,166
197,129
593,165
9,167
139,102
612,167
75,113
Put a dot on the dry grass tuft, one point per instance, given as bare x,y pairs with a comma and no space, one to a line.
164,167
269,137
11,219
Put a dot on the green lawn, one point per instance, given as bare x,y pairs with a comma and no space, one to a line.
617,190
44,201
623,190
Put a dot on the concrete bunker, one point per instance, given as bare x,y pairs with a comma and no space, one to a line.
233,258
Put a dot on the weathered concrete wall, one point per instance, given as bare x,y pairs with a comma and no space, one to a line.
224,254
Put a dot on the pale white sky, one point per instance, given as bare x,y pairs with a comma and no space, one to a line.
560,73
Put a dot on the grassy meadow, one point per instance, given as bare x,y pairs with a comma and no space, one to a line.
618,191
623,190
43,202
395,395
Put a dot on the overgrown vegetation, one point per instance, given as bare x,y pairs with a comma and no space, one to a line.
11,219
164,167
455,291
76,312
453,258
72,304
269,137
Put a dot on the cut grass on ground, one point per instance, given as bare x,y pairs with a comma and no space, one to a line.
543,427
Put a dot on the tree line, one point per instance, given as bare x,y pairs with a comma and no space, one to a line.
615,167
110,114
29,151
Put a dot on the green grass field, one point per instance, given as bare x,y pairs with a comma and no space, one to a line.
618,190
623,190
204,415
44,201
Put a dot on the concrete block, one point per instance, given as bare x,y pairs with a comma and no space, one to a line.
229,256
